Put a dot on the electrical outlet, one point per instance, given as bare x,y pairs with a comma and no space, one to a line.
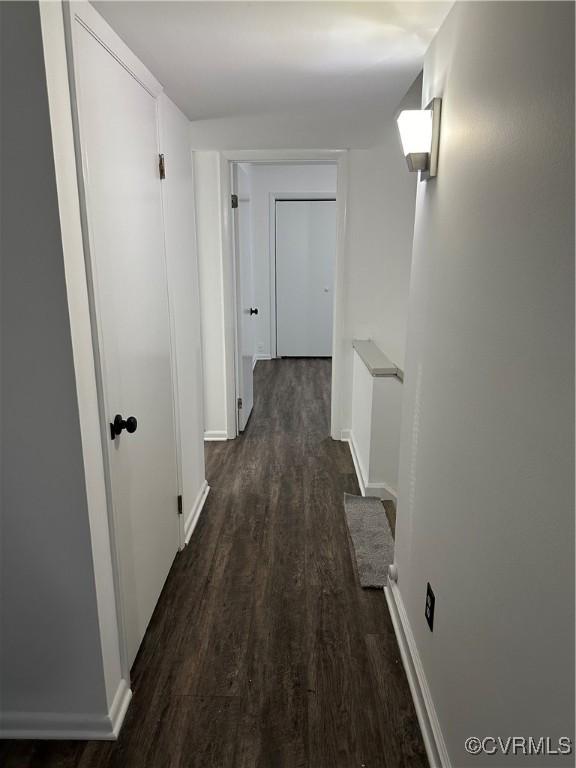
429,610
260,347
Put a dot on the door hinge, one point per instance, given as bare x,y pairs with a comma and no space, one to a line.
162,166
234,201
239,403
179,503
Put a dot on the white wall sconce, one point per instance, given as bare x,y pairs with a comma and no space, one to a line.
420,135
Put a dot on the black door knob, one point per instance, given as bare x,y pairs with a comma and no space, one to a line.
131,424
253,311
116,427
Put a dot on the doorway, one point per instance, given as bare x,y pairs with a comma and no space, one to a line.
284,243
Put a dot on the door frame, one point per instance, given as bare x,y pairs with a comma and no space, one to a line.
339,157
273,198
235,224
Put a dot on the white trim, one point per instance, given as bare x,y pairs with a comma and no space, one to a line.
272,198
429,725
380,490
228,296
260,357
120,707
194,515
235,250
176,400
268,156
215,434
346,437
83,727
338,341
340,157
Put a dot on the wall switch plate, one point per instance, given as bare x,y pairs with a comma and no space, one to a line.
429,610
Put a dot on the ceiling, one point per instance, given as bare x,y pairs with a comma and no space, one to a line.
237,59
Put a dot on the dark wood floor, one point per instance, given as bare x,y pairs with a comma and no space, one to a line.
263,651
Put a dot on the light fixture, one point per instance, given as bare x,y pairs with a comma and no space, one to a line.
420,134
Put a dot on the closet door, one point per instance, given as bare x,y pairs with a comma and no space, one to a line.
117,110
305,256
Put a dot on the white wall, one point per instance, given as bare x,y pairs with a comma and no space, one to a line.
486,507
325,127
381,197
211,275
375,429
55,676
265,180
182,269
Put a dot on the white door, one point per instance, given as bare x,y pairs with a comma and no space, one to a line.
305,255
247,313
119,142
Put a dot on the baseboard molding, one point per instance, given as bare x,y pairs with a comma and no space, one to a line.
380,490
429,725
194,514
260,357
120,706
215,434
347,437
83,727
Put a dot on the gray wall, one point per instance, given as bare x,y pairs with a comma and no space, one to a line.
50,656
486,510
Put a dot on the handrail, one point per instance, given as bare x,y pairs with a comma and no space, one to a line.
375,360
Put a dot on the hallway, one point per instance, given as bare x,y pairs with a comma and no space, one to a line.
174,594
263,650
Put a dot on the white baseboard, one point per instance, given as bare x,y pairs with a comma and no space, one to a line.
347,437
83,727
215,434
120,706
194,514
429,725
380,490
260,357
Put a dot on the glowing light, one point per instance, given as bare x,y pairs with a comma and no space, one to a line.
415,126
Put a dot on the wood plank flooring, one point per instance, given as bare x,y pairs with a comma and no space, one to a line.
264,652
